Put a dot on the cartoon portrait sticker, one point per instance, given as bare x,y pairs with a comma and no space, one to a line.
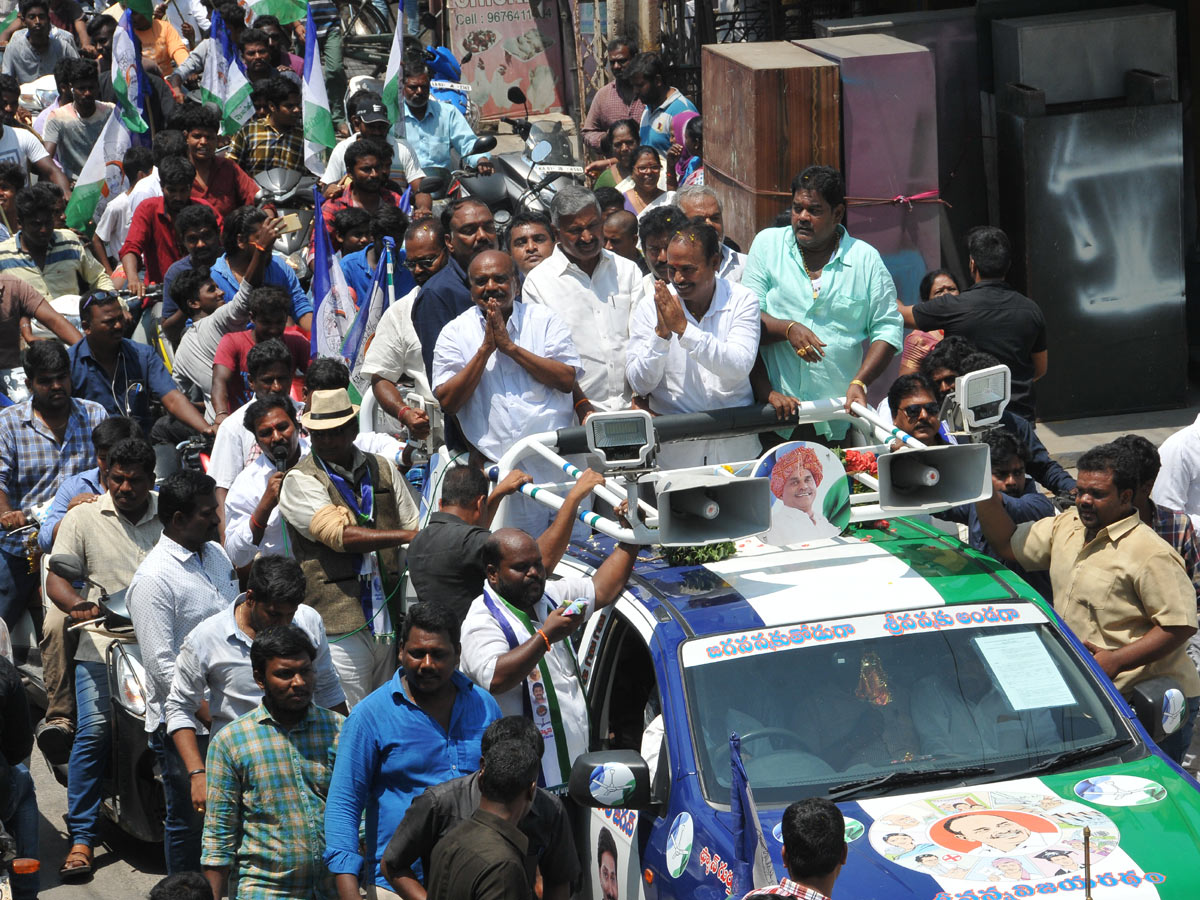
992,836
810,497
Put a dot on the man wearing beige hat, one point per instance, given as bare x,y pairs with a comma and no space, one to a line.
348,513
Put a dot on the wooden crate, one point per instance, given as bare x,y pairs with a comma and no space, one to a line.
770,109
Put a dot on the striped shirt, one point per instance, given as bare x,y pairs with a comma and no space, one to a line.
266,803
787,888
33,462
68,268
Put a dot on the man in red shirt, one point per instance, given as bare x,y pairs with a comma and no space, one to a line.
368,162
152,242
220,182
269,310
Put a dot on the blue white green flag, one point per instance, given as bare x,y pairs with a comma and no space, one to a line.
223,82
127,75
319,135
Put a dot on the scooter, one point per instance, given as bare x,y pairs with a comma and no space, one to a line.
545,165
131,790
289,192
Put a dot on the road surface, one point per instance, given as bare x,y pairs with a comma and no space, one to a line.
124,869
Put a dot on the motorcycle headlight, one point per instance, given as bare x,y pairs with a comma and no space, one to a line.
130,678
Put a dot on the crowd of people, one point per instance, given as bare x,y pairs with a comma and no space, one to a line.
317,738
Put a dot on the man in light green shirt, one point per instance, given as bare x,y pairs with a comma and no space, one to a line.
822,294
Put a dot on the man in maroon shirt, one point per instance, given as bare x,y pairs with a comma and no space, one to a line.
220,182
616,100
152,242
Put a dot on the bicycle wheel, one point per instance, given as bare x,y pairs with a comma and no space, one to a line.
362,19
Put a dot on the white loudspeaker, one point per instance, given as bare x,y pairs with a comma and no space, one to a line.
695,508
929,480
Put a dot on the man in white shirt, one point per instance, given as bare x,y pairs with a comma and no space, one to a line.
515,639
1178,484
692,345
185,579
592,290
368,116
214,662
506,370
394,361
699,201
22,146
252,523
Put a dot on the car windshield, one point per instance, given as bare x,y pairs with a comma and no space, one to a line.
947,693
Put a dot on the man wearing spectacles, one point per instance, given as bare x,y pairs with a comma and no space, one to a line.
916,410
393,359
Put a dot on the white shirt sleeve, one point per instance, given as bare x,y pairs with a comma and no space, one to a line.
1180,455
732,356
328,693
335,169
403,157
228,456
30,146
449,356
299,499
483,643
187,690
240,503
646,358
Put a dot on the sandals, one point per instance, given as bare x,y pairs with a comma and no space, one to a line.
78,864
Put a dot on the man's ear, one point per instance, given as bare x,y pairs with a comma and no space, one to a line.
845,852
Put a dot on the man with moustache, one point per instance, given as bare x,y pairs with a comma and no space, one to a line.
615,101
269,775
700,203
592,290
517,632
505,370
823,294
1102,556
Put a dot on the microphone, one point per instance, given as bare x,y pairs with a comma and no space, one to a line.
280,454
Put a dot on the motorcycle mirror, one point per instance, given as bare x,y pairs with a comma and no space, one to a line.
516,95
484,144
540,151
67,566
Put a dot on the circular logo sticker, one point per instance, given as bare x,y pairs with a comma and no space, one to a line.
994,835
679,844
810,496
1120,790
612,784
777,832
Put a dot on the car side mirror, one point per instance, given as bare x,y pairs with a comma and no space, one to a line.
67,566
1159,705
610,779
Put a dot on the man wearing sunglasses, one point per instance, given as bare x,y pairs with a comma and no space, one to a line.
916,410
393,359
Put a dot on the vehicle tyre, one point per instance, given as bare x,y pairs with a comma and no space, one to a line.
363,19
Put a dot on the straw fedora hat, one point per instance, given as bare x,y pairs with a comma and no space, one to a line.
328,410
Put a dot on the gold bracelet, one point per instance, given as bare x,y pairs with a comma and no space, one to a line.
787,335
859,383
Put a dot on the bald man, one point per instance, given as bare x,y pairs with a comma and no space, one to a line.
621,237
515,640
505,370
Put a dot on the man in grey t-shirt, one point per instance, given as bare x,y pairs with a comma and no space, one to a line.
73,130
34,51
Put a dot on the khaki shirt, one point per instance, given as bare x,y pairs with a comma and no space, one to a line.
1113,589
111,548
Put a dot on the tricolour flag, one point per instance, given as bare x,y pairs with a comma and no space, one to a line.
284,10
10,17
223,82
358,338
752,868
393,78
101,176
333,308
319,135
127,75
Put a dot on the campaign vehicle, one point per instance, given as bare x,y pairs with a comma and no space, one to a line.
974,747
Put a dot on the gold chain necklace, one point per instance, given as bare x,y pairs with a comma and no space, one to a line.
804,265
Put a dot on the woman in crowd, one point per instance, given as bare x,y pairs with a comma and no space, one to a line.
917,344
645,194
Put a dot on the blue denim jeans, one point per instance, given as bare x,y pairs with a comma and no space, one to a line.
183,827
20,817
1174,745
16,584
90,752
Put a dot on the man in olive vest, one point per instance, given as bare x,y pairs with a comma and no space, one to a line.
348,515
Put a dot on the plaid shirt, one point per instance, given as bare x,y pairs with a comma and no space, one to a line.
1176,529
260,146
787,888
32,461
266,803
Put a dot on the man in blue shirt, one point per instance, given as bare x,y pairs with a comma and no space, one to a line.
122,376
240,231
359,267
422,728
433,128
200,235
647,74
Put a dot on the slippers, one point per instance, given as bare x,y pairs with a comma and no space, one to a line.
78,864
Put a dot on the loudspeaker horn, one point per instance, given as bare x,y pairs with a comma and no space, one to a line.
696,508
933,479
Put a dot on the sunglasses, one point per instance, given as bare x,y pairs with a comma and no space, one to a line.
914,410
100,297
425,262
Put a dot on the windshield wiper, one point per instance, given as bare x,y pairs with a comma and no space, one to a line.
904,778
1079,753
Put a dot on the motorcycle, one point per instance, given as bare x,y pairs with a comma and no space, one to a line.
290,192
11,864
131,790
545,165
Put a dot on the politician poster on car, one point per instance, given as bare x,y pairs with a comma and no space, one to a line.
512,43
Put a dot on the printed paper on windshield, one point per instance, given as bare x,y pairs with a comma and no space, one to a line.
1024,670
